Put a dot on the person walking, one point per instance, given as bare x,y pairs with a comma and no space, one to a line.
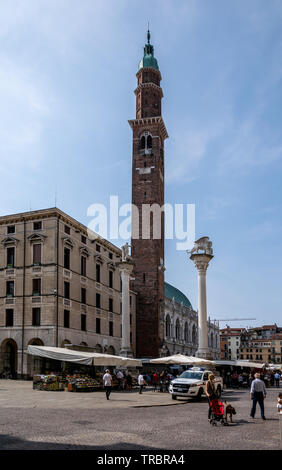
120,379
277,379
141,382
210,392
258,394
107,383
128,381
155,380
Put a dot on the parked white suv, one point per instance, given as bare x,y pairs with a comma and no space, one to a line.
191,383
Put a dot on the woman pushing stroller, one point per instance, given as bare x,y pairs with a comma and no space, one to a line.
210,392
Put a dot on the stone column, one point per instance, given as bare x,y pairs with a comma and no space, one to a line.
125,268
201,261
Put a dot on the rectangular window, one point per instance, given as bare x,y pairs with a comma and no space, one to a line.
83,322
98,248
36,317
83,239
83,295
66,258
36,253
98,300
110,305
9,317
36,286
130,319
10,257
98,325
37,225
66,319
11,229
131,337
111,277
111,255
111,328
83,266
10,288
66,290
98,272
67,229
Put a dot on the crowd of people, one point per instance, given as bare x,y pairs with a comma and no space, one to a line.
244,379
158,381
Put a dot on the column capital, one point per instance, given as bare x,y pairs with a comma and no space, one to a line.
125,267
201,261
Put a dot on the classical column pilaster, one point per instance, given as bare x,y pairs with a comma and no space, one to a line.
125,268
201,261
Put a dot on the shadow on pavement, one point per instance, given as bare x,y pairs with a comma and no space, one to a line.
8,442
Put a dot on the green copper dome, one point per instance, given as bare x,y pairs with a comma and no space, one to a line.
148,60
178,296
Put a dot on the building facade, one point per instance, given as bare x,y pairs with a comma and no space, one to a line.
276,343
230,343
181,326
57,287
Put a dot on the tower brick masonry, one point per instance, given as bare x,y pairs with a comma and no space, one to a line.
149,134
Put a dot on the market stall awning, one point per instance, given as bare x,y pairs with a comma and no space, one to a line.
81,357
181,359
253,365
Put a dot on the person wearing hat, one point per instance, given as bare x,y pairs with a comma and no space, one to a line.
210,392
258,394
107,383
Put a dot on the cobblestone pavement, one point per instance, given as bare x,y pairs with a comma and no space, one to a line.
39,420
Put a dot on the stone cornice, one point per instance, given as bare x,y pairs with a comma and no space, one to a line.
9,241
135,123
145,69
149,85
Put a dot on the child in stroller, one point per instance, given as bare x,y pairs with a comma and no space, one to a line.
217,412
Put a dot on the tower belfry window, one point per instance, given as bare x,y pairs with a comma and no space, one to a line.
146,144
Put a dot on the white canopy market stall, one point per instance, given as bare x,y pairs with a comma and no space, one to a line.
252,365
81,357
181,359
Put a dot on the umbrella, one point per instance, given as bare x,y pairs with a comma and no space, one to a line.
181,359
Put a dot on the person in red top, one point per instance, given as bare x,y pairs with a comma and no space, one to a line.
155,380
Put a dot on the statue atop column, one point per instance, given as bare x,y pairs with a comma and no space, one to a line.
125,252
204,244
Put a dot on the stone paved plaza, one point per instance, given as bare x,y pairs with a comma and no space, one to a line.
40,420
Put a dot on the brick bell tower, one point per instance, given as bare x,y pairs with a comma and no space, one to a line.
149,134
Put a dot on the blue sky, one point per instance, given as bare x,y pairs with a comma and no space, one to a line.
67,77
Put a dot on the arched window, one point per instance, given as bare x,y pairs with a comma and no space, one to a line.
211,340
194,334
146,143
177,329
142,142
167,326
186,333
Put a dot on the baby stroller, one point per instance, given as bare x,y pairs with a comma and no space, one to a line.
217,413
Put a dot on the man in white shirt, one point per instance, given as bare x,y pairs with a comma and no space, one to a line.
141,382
107,383
120,379
258,394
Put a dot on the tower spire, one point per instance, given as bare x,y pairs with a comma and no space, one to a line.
148,34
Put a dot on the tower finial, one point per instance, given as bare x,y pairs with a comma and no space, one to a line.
148,34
